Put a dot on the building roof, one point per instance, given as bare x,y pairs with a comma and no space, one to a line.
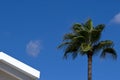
14,63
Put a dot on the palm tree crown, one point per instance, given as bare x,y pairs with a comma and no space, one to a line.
85,40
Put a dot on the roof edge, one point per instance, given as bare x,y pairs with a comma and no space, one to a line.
20,65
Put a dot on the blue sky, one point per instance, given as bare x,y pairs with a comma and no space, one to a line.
31,30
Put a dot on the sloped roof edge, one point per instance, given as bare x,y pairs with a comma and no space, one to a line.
19,65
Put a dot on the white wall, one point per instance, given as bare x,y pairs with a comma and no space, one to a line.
5,76
6,71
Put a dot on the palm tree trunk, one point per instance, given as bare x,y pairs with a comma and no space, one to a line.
89,67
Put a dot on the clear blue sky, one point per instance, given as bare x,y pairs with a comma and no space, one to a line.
41,24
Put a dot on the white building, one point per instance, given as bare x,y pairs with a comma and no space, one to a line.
12,69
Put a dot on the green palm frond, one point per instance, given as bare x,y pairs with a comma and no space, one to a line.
73,54
100,27
95,36
96,33
64,44
69,36
85,47
85,34
77,27
80,39
88,25
103,44
110,51
71,49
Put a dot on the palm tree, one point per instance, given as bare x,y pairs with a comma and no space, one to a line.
85,40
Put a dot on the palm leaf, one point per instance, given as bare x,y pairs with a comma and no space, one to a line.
77,26
85,47
103,44
85,34
70,49
88,25
110,51
100,27
95,36
80,39
69,36
64,44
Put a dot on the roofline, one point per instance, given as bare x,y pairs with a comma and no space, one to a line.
19,65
